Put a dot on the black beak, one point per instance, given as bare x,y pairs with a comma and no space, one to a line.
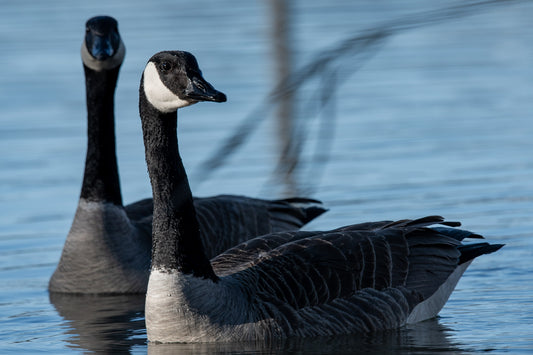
101,47
200,90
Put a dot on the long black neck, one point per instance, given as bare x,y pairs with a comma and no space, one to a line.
101,180
175,231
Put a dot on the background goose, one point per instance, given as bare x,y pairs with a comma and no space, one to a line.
357,278
107,249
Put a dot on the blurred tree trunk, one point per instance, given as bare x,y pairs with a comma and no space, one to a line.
281,48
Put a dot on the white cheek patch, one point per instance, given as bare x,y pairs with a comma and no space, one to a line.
158,94
99,65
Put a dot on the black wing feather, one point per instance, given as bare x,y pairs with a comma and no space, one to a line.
227,220
356,278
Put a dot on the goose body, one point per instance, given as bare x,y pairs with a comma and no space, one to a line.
107,249
359,278
326,283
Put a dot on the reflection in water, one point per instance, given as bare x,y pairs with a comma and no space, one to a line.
115,324
425,337
109,324
319,80
282,53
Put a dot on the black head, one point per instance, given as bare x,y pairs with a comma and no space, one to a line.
172,79
102,47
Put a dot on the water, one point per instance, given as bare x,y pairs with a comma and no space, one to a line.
436,121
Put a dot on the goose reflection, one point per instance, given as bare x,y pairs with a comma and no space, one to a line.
425,337
104,324
115,324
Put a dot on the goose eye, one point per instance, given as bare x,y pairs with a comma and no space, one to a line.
165,66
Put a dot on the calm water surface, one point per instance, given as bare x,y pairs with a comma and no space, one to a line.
438,120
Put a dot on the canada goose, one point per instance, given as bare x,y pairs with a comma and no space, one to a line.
358,278
107,249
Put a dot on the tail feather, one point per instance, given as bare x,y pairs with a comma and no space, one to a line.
299,200
471,251
457,234
417,223
296,211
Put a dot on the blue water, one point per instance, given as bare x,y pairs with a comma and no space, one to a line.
436,120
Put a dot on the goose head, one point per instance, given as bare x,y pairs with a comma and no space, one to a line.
102,47
172,79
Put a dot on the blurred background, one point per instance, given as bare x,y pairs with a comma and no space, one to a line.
381,109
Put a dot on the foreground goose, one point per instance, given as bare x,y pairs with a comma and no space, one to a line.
108,247
358,278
